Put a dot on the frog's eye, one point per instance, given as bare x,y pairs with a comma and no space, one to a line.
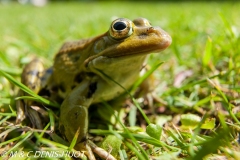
121,28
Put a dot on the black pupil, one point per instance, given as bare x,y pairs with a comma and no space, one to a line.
119,26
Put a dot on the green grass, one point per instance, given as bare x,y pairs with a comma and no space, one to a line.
197,119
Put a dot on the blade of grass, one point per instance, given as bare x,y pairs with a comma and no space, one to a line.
24,137
52,143
12,71
12,110
145,76
6,131
232,36
195,82
74,140
45,129
139,137
130,146
179,142
132,116
229,108
212,145
208,53
59,139
10,140
8,114
52,119
195,133
5,119
29,91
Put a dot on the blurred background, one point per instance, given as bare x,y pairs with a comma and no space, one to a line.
26,29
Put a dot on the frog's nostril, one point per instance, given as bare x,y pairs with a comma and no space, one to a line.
119,26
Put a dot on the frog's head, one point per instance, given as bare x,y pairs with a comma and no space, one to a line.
136,37
127,43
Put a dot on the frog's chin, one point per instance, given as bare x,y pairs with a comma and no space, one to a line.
103,62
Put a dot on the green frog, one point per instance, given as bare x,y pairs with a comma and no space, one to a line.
78,78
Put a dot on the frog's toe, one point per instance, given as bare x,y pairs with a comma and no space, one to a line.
34,118
85,148
20,112
88,147
100,151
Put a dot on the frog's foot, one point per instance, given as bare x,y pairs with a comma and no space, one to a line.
36,114
100,152
88,147
85,148
34,118
31,114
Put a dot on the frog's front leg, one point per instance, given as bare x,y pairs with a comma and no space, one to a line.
74,115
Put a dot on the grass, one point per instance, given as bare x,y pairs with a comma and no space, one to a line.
195,114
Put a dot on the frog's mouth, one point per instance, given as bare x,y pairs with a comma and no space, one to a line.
144,51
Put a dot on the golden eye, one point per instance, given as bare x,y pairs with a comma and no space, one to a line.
121,28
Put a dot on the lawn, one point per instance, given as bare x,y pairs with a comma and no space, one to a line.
195,112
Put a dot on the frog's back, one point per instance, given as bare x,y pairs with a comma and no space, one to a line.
67,65
72,46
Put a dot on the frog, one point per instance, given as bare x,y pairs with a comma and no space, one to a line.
79,76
